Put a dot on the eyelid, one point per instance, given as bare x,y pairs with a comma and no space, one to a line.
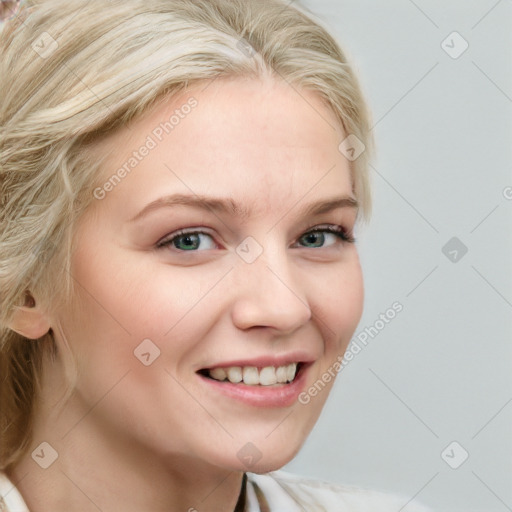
180,232
344,234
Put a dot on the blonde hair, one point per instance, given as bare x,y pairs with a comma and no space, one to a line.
74,70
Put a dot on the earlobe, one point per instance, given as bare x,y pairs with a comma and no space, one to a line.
29,320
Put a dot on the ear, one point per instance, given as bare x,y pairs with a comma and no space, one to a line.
29,320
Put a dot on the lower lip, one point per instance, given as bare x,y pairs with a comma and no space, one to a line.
281,395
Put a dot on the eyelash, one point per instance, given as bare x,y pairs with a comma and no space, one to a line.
339,231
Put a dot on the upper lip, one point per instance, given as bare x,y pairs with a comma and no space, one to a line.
264,361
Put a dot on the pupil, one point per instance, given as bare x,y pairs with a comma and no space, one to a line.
312,236
189,240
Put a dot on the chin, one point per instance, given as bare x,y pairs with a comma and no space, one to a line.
267,466
270,459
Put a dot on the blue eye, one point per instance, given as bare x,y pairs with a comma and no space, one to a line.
189,241
185,241
317,235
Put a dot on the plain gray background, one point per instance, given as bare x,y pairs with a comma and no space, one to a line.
440,371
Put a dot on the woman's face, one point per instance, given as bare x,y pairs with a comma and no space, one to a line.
158,317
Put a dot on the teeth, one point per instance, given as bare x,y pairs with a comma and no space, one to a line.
282,374
251,376
234,374
268,376
290,370
218,374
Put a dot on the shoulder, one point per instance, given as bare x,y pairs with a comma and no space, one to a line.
10,498
278,491
284,491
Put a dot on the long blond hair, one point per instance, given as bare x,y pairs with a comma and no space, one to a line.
73,70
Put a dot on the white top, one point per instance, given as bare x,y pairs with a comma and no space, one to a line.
278,492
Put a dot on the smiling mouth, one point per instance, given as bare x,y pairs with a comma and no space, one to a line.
253,376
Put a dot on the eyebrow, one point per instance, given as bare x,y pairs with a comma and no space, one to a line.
228,206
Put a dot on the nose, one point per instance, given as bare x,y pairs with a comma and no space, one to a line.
268,293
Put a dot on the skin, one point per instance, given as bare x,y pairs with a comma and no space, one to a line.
135,437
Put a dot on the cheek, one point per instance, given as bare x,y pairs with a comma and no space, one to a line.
125,293
125,302
339,303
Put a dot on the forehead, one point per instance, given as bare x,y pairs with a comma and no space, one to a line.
248,139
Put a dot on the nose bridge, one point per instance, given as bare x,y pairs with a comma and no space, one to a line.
267,291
